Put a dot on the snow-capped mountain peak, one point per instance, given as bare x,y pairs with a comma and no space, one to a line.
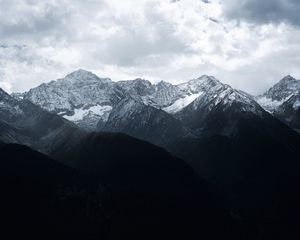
203,83
208,92
279,93
283,89
76,96
282,100
288,78
225,95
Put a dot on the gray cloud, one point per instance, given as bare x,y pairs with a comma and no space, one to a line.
137,41
264,11
154,39
33,18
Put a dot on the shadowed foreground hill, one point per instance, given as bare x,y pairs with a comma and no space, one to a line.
156,194
42,199
257,169
121,188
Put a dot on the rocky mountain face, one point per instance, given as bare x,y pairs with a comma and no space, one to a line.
283,89
157,95
282,100
86,99
218,110
289,112
80,97
145,122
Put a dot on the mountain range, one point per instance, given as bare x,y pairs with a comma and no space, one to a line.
87,100
245,148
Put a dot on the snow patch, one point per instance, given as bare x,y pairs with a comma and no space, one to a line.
79,114
61,113
182,103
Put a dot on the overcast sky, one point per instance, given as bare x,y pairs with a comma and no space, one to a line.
250,44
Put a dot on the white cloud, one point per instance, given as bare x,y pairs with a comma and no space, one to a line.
154,39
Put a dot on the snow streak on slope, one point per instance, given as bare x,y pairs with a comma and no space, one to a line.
182,103
79,114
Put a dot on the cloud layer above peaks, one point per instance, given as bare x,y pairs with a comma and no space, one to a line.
248,44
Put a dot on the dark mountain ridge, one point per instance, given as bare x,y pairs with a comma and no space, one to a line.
109,195
25,123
